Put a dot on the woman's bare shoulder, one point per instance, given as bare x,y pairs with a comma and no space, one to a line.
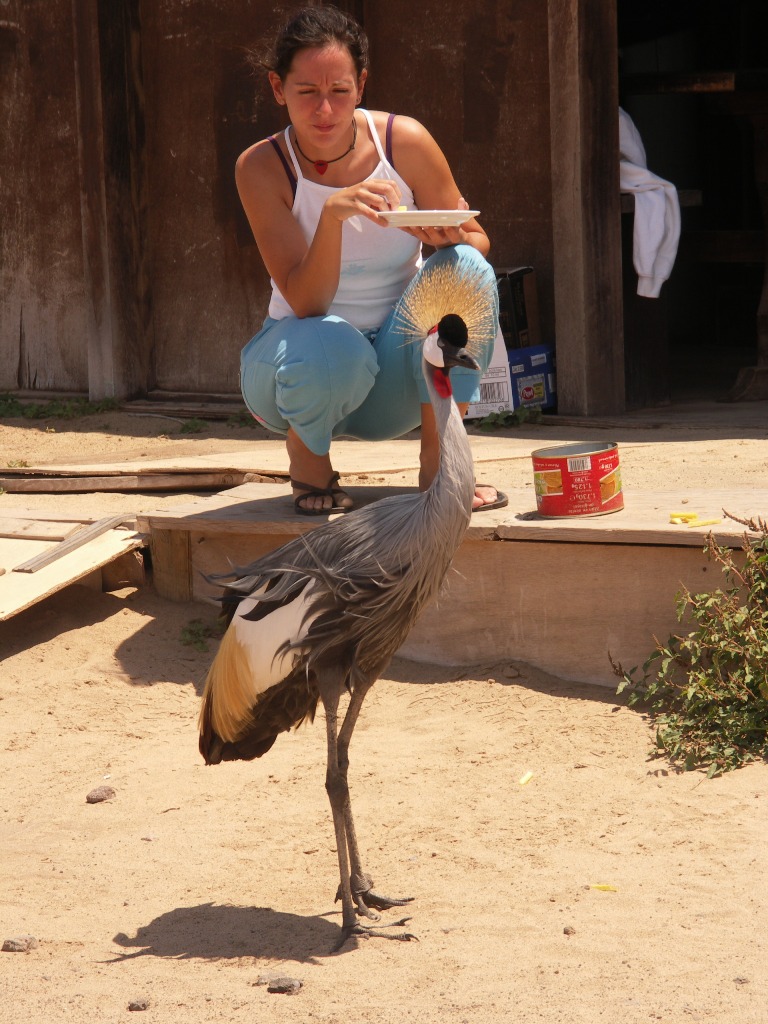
258,158
260,175
402,125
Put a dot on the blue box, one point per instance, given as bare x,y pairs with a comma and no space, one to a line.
532,372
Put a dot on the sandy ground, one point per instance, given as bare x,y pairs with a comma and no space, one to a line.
609,887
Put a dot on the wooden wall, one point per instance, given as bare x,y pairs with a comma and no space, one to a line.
42,279
209,289
478,76
127,265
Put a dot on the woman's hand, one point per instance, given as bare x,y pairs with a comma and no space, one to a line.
366,198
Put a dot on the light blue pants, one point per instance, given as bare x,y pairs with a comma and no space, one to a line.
324,378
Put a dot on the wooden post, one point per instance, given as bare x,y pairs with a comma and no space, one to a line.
586,209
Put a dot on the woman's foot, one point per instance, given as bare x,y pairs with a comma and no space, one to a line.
487,497
313,480
313,501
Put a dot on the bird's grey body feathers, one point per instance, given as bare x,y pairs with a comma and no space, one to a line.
355,587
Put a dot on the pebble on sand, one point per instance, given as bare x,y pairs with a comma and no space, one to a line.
101,793
20,944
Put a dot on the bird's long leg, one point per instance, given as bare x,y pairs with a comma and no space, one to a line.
338,795
367,901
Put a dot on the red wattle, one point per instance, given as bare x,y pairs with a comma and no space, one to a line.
442,383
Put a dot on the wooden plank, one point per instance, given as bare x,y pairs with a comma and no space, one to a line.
22,590
655,83
17,550
119,483
269,458
685,196
750,80
166,468
33,529
45,515
78,540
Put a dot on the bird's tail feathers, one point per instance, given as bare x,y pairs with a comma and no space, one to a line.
228,694
236,723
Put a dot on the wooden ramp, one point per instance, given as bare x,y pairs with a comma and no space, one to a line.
558,594
42,552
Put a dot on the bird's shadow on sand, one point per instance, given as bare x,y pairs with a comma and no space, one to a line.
219,932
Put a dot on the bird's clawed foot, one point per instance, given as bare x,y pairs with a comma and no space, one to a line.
361,931
376,901
367,901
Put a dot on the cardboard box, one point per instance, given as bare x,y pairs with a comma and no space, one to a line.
532,373
518,307
522,370
495,384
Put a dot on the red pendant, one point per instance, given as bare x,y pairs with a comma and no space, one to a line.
321,166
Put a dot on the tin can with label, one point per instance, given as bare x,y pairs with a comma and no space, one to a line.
577,480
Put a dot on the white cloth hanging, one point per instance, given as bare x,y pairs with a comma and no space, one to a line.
657,212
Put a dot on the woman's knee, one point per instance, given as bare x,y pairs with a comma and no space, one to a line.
328,353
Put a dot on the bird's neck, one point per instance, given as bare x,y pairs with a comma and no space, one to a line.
454,483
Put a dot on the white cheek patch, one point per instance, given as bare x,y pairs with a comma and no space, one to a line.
432,351
261,639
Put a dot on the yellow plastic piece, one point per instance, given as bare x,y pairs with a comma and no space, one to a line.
605,888
691,519
525,779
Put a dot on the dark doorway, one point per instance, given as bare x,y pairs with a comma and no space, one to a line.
693,77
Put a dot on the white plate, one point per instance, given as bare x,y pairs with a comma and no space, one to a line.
428,218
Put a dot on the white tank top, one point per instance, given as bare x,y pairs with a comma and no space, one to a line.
376,262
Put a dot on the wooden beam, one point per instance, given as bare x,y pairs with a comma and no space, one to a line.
77,540
584,102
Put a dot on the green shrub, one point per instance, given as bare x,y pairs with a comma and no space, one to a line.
707,691
500,420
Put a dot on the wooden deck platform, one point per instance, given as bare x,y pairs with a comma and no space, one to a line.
559,594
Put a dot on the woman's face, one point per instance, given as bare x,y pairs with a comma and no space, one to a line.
321,91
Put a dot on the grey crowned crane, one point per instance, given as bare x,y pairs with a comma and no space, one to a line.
325,613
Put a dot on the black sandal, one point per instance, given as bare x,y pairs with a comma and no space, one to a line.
501,500
319,492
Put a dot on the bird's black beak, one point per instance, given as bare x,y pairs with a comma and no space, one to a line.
456,356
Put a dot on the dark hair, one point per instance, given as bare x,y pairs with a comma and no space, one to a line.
314,26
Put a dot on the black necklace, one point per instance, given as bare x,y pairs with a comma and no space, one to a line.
321,166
